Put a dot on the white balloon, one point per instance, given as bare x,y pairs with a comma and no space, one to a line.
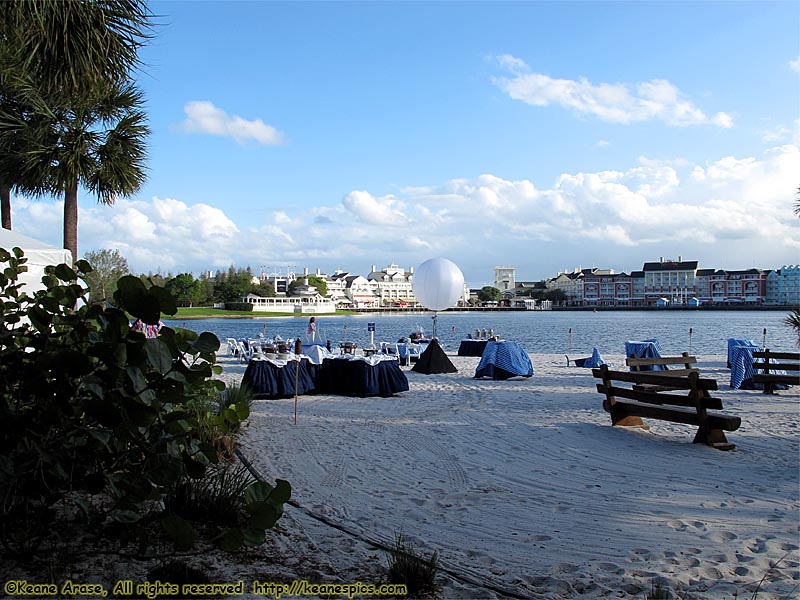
438,283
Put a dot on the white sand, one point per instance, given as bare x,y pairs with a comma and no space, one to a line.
525,485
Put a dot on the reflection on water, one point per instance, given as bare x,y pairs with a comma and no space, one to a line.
537,331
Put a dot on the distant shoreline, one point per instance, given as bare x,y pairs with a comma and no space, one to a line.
222,314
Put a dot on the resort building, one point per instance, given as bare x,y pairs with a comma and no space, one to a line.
362,292
504,280
337,286
783,286
675,281
731,287
393,285
571,283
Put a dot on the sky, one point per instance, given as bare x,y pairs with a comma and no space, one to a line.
546,136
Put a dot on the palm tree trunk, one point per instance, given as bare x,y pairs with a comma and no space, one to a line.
5,205
71,219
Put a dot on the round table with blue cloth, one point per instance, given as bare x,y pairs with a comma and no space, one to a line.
358,377
740,358
502,360
644,349
270,379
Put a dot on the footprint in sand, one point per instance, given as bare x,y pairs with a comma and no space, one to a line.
610,567
712,573
718,558
721,536
677,525
741,571
692,562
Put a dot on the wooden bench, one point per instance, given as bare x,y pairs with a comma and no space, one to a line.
627,406
769,378
684,359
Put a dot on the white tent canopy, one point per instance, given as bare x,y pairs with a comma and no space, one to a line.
39,255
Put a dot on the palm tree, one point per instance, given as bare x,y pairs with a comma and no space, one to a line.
72,61
797,203
793,321
99,145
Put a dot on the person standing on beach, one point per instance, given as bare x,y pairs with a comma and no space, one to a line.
311,331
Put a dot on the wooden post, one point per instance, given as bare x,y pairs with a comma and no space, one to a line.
768,385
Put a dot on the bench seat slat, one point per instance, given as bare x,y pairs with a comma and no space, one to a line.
776,378
671,372
651,397
620,410
647,377
664,360
773,366
780,355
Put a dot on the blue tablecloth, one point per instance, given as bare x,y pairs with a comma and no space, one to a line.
268,379
735,342
356,377
645,349
501,360
741,361
472,347
341,376
592,362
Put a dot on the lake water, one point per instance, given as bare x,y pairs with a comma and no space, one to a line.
543,332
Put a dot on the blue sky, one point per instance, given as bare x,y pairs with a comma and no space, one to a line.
541,135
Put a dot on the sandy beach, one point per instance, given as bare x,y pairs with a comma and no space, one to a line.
524,487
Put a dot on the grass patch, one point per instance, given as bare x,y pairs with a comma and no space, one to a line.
408,566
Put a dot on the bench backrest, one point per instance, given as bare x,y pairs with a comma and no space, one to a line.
769,361
696,387
687,361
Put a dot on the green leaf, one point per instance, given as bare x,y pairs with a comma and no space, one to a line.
264,518
140,415
180,532
257,492
207,342
166,302
282,492
232,540
254,537
159,355
167,470
65,273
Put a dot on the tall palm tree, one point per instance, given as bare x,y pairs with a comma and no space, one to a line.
73,60
98,145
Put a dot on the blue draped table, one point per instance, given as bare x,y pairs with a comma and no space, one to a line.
741,362
644,349
357,377
501,360
340,376
472,347
737,342
270,379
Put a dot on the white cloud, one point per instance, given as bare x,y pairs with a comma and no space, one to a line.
733,212
613,102
374,211
204,117
794,65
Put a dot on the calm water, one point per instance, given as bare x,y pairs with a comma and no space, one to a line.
537,332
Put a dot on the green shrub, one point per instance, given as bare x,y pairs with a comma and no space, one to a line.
90,409
242,306
216,498
407,566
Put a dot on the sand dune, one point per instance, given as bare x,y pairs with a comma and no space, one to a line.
523,485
